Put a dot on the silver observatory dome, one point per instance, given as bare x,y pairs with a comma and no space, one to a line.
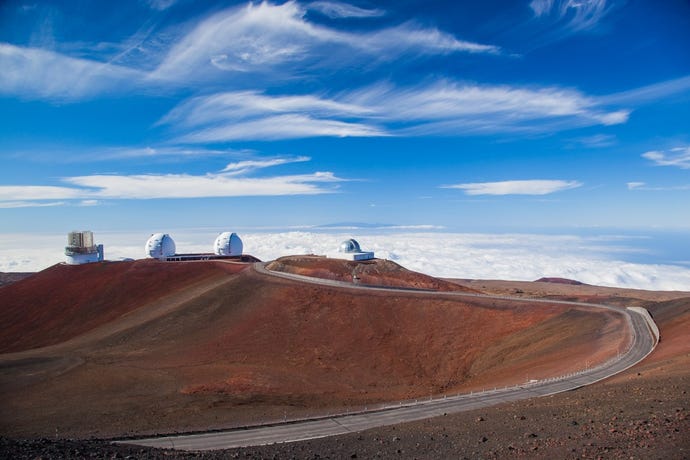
228,244
349,246
160,246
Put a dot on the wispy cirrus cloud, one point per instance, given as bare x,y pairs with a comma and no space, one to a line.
651,93
38,73
575,15
245,166
250,115
291,126
29,204
436,108
447,106
231,182
636,185
678,157
149,186
157,152
516,187
644,186
337,10
595,141
262,37
160,5
24,193
161,151
241,105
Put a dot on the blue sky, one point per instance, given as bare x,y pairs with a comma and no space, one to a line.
471,116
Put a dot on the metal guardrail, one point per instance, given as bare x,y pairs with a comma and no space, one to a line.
650,321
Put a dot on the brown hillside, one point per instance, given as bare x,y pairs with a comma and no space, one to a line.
374,272
64,301
559,281
12,277
249,348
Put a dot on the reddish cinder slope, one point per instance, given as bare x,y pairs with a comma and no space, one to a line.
252,347
672,355
64,301
305,342
374,272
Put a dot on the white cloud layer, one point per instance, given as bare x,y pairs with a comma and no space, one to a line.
517,187
475,256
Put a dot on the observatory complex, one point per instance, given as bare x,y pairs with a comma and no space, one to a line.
80,248
227,245
350,250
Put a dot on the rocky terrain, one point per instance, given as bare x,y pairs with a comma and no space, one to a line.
374,272
9,278
642,413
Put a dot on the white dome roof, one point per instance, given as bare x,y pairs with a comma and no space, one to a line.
350,245
159,246
228,244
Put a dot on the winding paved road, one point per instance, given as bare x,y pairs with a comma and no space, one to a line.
644,341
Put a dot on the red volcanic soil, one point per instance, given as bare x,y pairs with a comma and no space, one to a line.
235,349
672,355
64,301
212,348
374,272
559,281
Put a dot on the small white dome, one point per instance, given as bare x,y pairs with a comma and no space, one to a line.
228,244
349,246
160,246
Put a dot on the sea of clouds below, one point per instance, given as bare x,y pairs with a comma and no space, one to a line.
527,257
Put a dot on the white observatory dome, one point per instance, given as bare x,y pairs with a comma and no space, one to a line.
160,246
228,244
349,246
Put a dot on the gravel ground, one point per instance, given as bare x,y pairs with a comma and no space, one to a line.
642,417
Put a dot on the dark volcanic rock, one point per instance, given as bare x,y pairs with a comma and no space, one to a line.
12,277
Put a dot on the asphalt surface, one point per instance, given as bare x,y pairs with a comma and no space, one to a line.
644,341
